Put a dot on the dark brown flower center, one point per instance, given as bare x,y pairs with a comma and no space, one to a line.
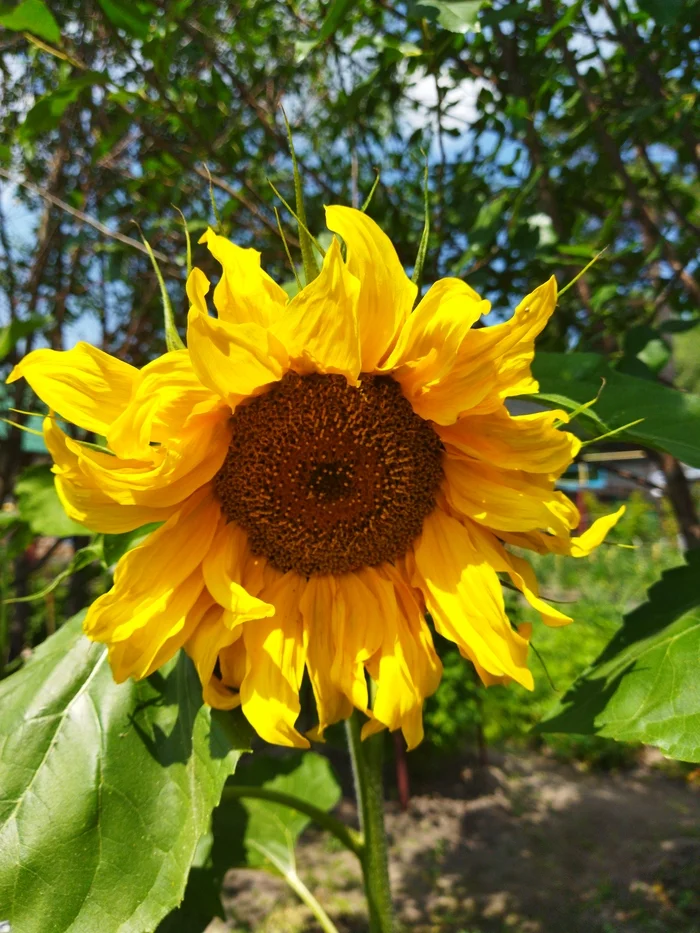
326,477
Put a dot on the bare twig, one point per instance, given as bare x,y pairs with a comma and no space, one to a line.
85,218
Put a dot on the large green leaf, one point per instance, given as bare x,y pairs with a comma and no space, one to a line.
133,18
202,900
268,831
32,16
671,418
106,789
644,686
46,113
40,507
459,16
665,12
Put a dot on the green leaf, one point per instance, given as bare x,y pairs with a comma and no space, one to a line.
40,507
456,17
32,16
670,417
202,900
46,113
115,546
665,12
565,21
127,15
655,355
269,830
644,686
107,789
337,11
16,330
483,231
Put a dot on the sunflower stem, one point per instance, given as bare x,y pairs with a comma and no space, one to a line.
367,770
350,839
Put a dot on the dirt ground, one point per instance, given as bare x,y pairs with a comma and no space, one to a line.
525,846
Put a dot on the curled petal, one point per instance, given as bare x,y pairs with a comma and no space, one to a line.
434,333
84,385
317,607
223,569
208,641
405,667
319,327
577,546
275,660
507,500
233,360
159,578
152,645
513,442
520,572
491,364
167,393
83,497
245,294
464,598
386,293
170,475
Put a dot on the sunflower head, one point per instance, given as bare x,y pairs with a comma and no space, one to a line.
328,471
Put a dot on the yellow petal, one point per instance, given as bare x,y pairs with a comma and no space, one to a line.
245,293
464,598
434,333
491,364
233,360
520,442
232,662
406,667
578,546
84,385
167,394
197,288
223,569
318,604
519,571
82,496
508,500
209,639
386,293
148,648
319,327
275,666
173,472
358,626
160,578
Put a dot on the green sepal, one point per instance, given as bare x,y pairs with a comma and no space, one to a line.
306,241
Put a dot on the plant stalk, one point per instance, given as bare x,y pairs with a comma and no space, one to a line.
349,838
367,770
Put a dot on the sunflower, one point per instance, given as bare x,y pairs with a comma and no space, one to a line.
329,471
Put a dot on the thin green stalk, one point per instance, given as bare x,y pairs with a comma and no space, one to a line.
297,885
350,839
305,238
173,341
367,769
